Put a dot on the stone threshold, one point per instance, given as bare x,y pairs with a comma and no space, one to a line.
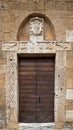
36,125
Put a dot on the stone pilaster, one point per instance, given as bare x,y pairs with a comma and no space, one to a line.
11,90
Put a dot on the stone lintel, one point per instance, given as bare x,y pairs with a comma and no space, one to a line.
29,47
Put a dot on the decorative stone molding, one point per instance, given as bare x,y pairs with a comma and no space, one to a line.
33,46
15,48
11,89
9,46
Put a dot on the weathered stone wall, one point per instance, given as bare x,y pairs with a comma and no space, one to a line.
12,14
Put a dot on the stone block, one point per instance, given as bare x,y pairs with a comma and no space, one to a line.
69,78
69,94
9,46
69,5
69,115
49,5
2,61
71,22
6,28
2,68
26,5
2,54
70,59
60,5
1,27
2,117
1,36
9,36
69,36
60,59
2,80
69,72
69,83
6,18
39,5
60,76
69,104
63,46
3,101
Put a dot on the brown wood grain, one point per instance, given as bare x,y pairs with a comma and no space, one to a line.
36,89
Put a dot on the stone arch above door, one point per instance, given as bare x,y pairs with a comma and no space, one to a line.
24,28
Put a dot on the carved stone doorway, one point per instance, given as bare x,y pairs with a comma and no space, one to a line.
14,49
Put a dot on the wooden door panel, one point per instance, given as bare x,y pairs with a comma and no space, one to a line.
27,116
45,117
25,82
36,89
27,77
45,68
27,90
46,77
45,97
42,64
28,73
27,63
27,68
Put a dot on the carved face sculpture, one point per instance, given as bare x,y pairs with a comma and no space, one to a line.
36,26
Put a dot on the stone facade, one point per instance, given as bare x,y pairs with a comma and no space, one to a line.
57,39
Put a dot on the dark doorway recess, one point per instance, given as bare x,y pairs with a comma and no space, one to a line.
36,89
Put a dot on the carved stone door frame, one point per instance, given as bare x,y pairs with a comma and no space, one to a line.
15,48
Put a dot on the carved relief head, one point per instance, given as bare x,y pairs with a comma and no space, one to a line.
36,26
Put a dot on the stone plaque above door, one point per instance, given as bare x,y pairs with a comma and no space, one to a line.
36,29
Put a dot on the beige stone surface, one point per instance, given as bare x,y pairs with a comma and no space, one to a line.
69,94
70,77
70,59
69,35
69,104
13,16
69,115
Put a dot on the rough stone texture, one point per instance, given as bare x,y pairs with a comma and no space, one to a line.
14,12
2,98
69,115
69,104
60,14
69,35
38,47
37,4
69,94
69,90
11,90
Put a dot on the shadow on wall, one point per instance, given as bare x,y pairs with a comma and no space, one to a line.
24,29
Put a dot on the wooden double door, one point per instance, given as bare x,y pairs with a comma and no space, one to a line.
36,89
